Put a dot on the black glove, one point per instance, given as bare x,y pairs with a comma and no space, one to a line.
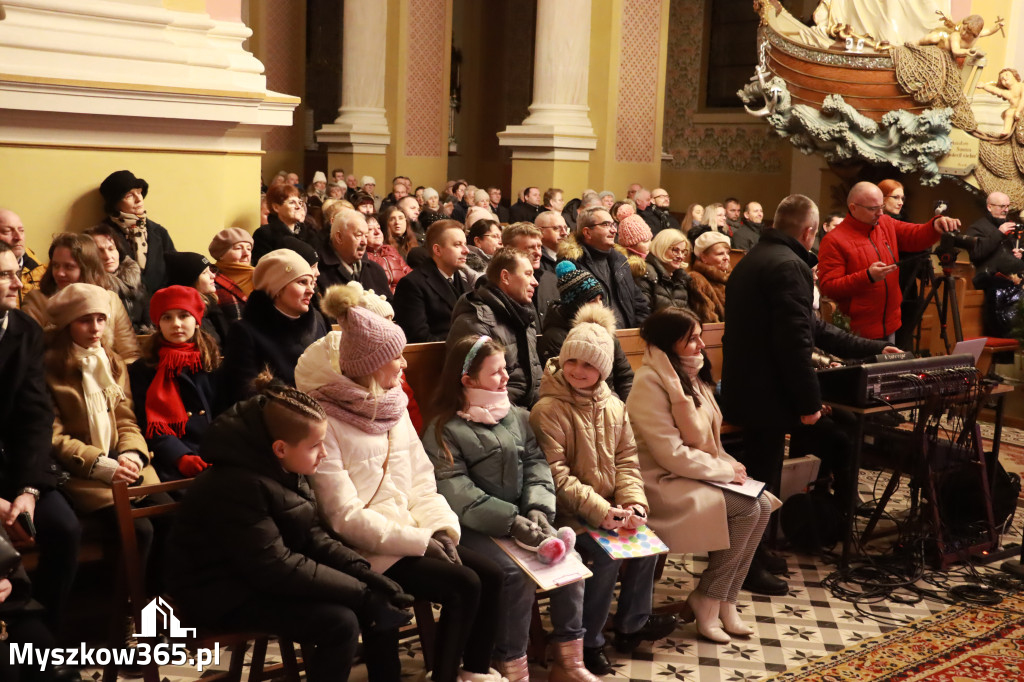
435,550
384,585
526,532
378,614
541,519
448,545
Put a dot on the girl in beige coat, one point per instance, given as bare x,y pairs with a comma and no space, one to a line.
585,435
678,432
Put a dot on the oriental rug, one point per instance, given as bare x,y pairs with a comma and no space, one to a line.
976,644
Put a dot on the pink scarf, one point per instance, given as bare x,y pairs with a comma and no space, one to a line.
485,407
349,402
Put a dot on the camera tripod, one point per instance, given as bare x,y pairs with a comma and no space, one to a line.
943,293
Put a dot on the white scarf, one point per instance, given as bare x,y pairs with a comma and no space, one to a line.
101,394
485,407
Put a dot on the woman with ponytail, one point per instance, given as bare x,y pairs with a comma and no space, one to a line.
377,492
173,383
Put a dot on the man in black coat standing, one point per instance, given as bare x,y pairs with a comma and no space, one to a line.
426,297
28,474
527,209
343,259
768,382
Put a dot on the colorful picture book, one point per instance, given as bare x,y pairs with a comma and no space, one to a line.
628,543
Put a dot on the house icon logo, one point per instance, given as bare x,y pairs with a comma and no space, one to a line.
159,616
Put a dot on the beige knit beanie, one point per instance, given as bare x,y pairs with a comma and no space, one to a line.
76,300
225,239
591,339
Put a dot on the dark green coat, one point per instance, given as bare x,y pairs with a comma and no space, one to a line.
498,472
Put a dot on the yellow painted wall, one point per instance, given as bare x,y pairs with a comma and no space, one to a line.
605,57
186,5
192,195
430,171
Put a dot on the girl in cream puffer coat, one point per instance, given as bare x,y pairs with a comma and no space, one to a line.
376,490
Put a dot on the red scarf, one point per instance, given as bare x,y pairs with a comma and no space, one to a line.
165,413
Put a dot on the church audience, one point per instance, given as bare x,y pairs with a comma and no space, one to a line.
426,297
277,325
592,248
287,211
174,382
377,492
146,241
475,443
666,282
585,434
678,426
75,259
231,249
12,233
483,238
344,259
383,254
28,474
527,238
501,307
193,270
708,274
125,276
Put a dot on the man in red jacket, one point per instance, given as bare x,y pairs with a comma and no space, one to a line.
857,261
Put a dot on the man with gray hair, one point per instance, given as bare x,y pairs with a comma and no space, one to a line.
12,233
343,258
768,382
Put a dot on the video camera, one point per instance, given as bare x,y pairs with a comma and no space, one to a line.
949,242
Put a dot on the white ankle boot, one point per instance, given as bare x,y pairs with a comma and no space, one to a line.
705,610
731,620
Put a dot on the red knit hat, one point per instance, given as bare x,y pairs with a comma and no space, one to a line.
176,297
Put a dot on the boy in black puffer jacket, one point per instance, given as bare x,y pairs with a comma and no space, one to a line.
247,548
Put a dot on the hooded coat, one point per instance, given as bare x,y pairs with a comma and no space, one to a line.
376,491
248,528
498,471
265,337
588,442
487,310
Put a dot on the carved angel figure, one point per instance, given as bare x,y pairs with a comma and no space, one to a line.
960,38
1009,87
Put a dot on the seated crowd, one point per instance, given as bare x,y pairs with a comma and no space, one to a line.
323,505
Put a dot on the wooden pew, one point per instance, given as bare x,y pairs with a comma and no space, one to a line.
425,361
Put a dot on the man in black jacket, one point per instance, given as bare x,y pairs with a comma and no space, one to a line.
995,250
343,259
527,209
768,382
593,250
28,474
426,297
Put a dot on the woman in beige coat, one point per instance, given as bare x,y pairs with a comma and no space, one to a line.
677,425
95,436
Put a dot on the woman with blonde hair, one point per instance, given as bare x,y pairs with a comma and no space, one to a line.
666,282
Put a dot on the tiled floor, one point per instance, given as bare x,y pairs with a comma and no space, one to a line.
807,623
